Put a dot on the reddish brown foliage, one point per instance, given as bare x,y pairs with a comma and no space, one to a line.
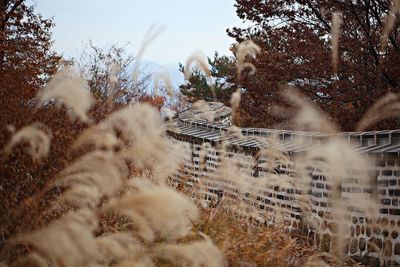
156,101
26,63
295,41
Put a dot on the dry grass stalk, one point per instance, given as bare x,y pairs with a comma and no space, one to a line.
90,178
245,49
137,133
149,37
71,235
326,260
143,261
196,254
112,84
235,102
335,33
38,140
337,162
163,76
117,247
389,23
157,210
203,111
205,148
308,116
201,62
245,244
70,89
385,108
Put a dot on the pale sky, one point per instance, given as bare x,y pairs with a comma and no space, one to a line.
190,25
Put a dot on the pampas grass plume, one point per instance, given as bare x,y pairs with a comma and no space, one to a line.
195,254
37,139
157,210
389,23
245,49
68,88
335,33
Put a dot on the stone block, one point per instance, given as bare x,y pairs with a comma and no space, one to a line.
326,242
387,248
362,244
354,246
397,248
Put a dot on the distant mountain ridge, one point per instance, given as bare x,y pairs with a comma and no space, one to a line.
152,67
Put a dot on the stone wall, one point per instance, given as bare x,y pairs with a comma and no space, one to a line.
363,237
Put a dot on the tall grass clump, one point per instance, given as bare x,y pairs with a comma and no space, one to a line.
114,205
